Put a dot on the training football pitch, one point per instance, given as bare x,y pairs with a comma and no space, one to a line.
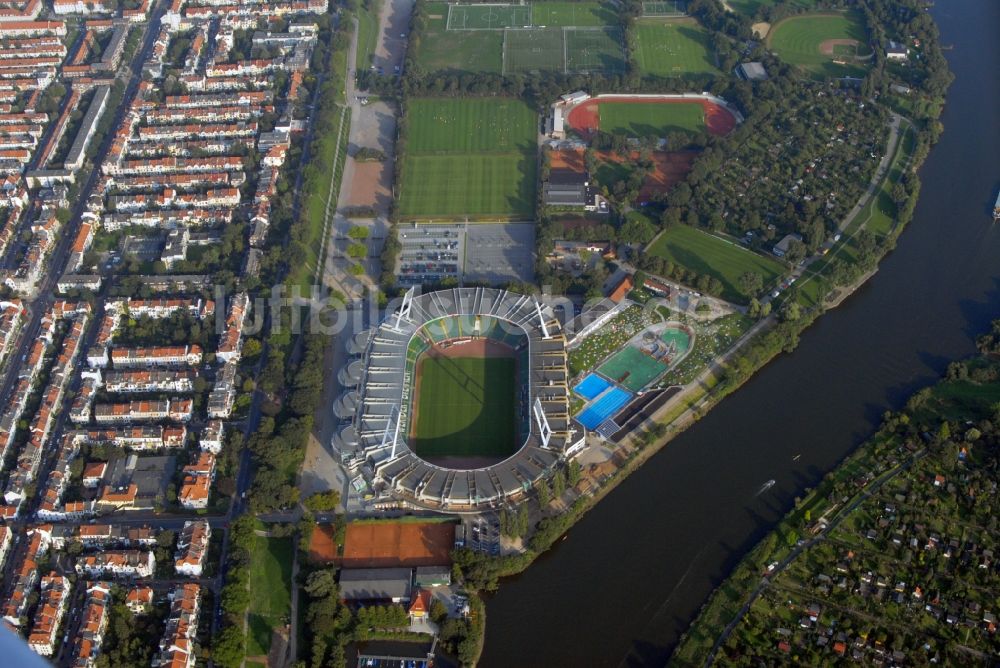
673,48
573,14
713,256
651,119
488,17
465,407
564,50
814,41
469,157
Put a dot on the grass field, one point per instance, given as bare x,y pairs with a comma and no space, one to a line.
270,587
442,50
673,48
595,50
573,14
465,407
534,51
662,8
469,157
708,254
652,119
797,40
367,35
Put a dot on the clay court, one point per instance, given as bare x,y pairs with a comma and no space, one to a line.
322,546
392,544
371,186
668,167
585,117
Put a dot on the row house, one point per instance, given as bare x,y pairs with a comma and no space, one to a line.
164,307
179,410
105,535
79,412
156,133
81,242
197,482
113,499
177,645
231,340
170,165
63,7
156,380
139,600
25,575
17,11
49,614
191,148
205,115
124,358
182,182
11,315
212,436
192,548
206,84
140,437
167,219
223,394
170,198
93,624
235,99
32,28
117,563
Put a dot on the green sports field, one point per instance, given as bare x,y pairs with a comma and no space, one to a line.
487,17
476,125
471,157
673,48
638,119
465,407
437,49
573,14
708,254
798,41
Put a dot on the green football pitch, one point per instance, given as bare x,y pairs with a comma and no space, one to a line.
798,40
673,48
469,157
465,407
573,14
651,119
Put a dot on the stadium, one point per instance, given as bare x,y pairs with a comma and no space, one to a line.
462,402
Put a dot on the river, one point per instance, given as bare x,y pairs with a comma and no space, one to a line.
629,578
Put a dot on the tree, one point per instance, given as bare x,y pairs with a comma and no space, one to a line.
320,584
228,648
544,494
751,283
573,472
558,484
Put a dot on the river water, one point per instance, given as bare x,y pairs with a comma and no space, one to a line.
629,578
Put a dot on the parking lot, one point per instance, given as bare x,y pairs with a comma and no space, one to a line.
489,252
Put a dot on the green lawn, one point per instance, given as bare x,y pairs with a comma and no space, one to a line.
465,406
469,157
591,50
573,14
270,591
367,36
797,40
673,48
651,119
476,125
708,254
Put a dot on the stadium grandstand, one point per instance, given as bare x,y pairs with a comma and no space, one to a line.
375,437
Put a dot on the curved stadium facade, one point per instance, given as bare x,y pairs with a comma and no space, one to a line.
383,405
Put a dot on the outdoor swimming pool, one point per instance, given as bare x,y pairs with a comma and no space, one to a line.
591,386
604,407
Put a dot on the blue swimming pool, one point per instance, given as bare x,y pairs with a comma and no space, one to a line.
604,407
591,386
